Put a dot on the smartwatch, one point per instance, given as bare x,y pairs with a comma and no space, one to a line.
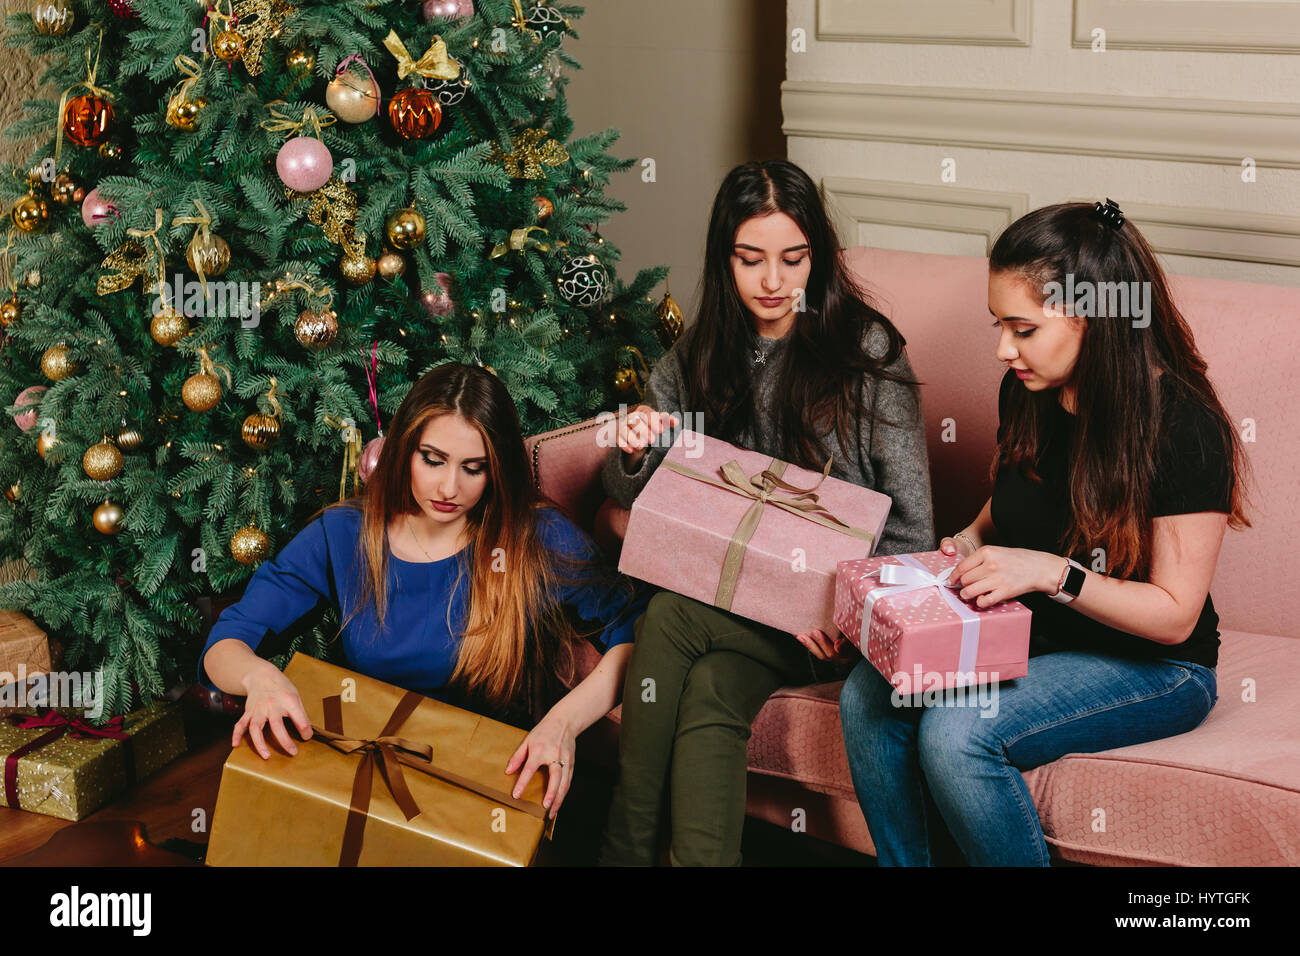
1071,582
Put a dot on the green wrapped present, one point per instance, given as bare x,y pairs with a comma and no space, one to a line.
59,764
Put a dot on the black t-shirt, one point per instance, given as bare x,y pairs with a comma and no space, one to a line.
1193,474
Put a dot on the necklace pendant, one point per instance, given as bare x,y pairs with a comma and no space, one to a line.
759,357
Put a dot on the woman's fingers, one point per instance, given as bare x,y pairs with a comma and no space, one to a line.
948,546
518,757
276,723
554,777
530,768
255,737
238,733
566,780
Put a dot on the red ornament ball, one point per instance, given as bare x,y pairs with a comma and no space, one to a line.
122,8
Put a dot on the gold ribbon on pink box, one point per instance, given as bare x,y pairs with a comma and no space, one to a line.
911,575
764,488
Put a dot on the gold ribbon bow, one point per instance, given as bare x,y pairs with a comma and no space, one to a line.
526,159
209,367
434,65
193,72
132,259
518,239
351,452
279,122
204,222
272,400
763,488
88,83
334,209
293,281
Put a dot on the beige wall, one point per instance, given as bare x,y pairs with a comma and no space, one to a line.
1031,115
693,85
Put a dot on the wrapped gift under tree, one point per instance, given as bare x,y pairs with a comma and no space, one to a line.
441,796
915,630
749,533
58,763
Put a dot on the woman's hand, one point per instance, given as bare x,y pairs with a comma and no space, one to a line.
955,545
550,744
823,647
638,429
271,698
992,574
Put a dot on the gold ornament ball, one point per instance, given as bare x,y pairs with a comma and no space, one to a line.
129,439
108,518
14,491
51,19
300,60
185,114
111,150
316,330
10,312
31,213
625,382
228,46
544,208
169,327
261,431
45,443
353,97
249,545
57,364
102,461
357,268
390,265
65,190
405,228
201,392
210,256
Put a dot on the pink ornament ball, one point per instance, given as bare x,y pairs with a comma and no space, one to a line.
95,210
304,164
448,10
28,396
437,302
370,458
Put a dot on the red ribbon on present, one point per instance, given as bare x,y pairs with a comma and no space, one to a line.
59,724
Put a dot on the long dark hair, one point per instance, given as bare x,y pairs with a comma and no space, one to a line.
821,380
1116,382
515,627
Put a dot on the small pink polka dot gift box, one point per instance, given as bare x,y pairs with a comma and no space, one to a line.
915,630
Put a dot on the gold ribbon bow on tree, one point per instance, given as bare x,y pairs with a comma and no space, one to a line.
293,281
201,235
88,83
181,94
272,400
209,367
434,65
132,259
519,238
525,160
258,21
351,452
282,123
763,488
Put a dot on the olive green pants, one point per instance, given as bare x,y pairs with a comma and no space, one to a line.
696,680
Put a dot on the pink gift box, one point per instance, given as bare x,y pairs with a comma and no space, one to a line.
682,529
918,631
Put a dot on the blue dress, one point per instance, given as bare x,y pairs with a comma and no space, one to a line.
426,601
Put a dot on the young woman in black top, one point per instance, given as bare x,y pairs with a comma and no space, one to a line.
1117,471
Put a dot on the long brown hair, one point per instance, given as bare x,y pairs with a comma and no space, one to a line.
515,627
821,381
1116,379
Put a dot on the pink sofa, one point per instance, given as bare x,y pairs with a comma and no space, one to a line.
1226,794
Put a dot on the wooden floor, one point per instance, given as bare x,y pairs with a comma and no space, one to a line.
153,824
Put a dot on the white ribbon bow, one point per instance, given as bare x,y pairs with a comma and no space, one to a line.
912,575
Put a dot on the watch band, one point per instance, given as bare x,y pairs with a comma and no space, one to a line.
1071,582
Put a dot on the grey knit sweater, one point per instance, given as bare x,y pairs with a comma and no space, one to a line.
893,459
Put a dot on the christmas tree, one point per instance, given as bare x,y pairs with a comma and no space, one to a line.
245,231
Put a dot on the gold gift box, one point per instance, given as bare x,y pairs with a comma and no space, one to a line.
22,643
294,810
71,779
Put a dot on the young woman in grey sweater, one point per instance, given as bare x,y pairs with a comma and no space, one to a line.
789,360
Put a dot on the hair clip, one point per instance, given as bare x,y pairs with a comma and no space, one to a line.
1110,213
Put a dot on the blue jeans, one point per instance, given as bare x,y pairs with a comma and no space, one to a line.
942,785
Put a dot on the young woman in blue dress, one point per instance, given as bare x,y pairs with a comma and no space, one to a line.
452,577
